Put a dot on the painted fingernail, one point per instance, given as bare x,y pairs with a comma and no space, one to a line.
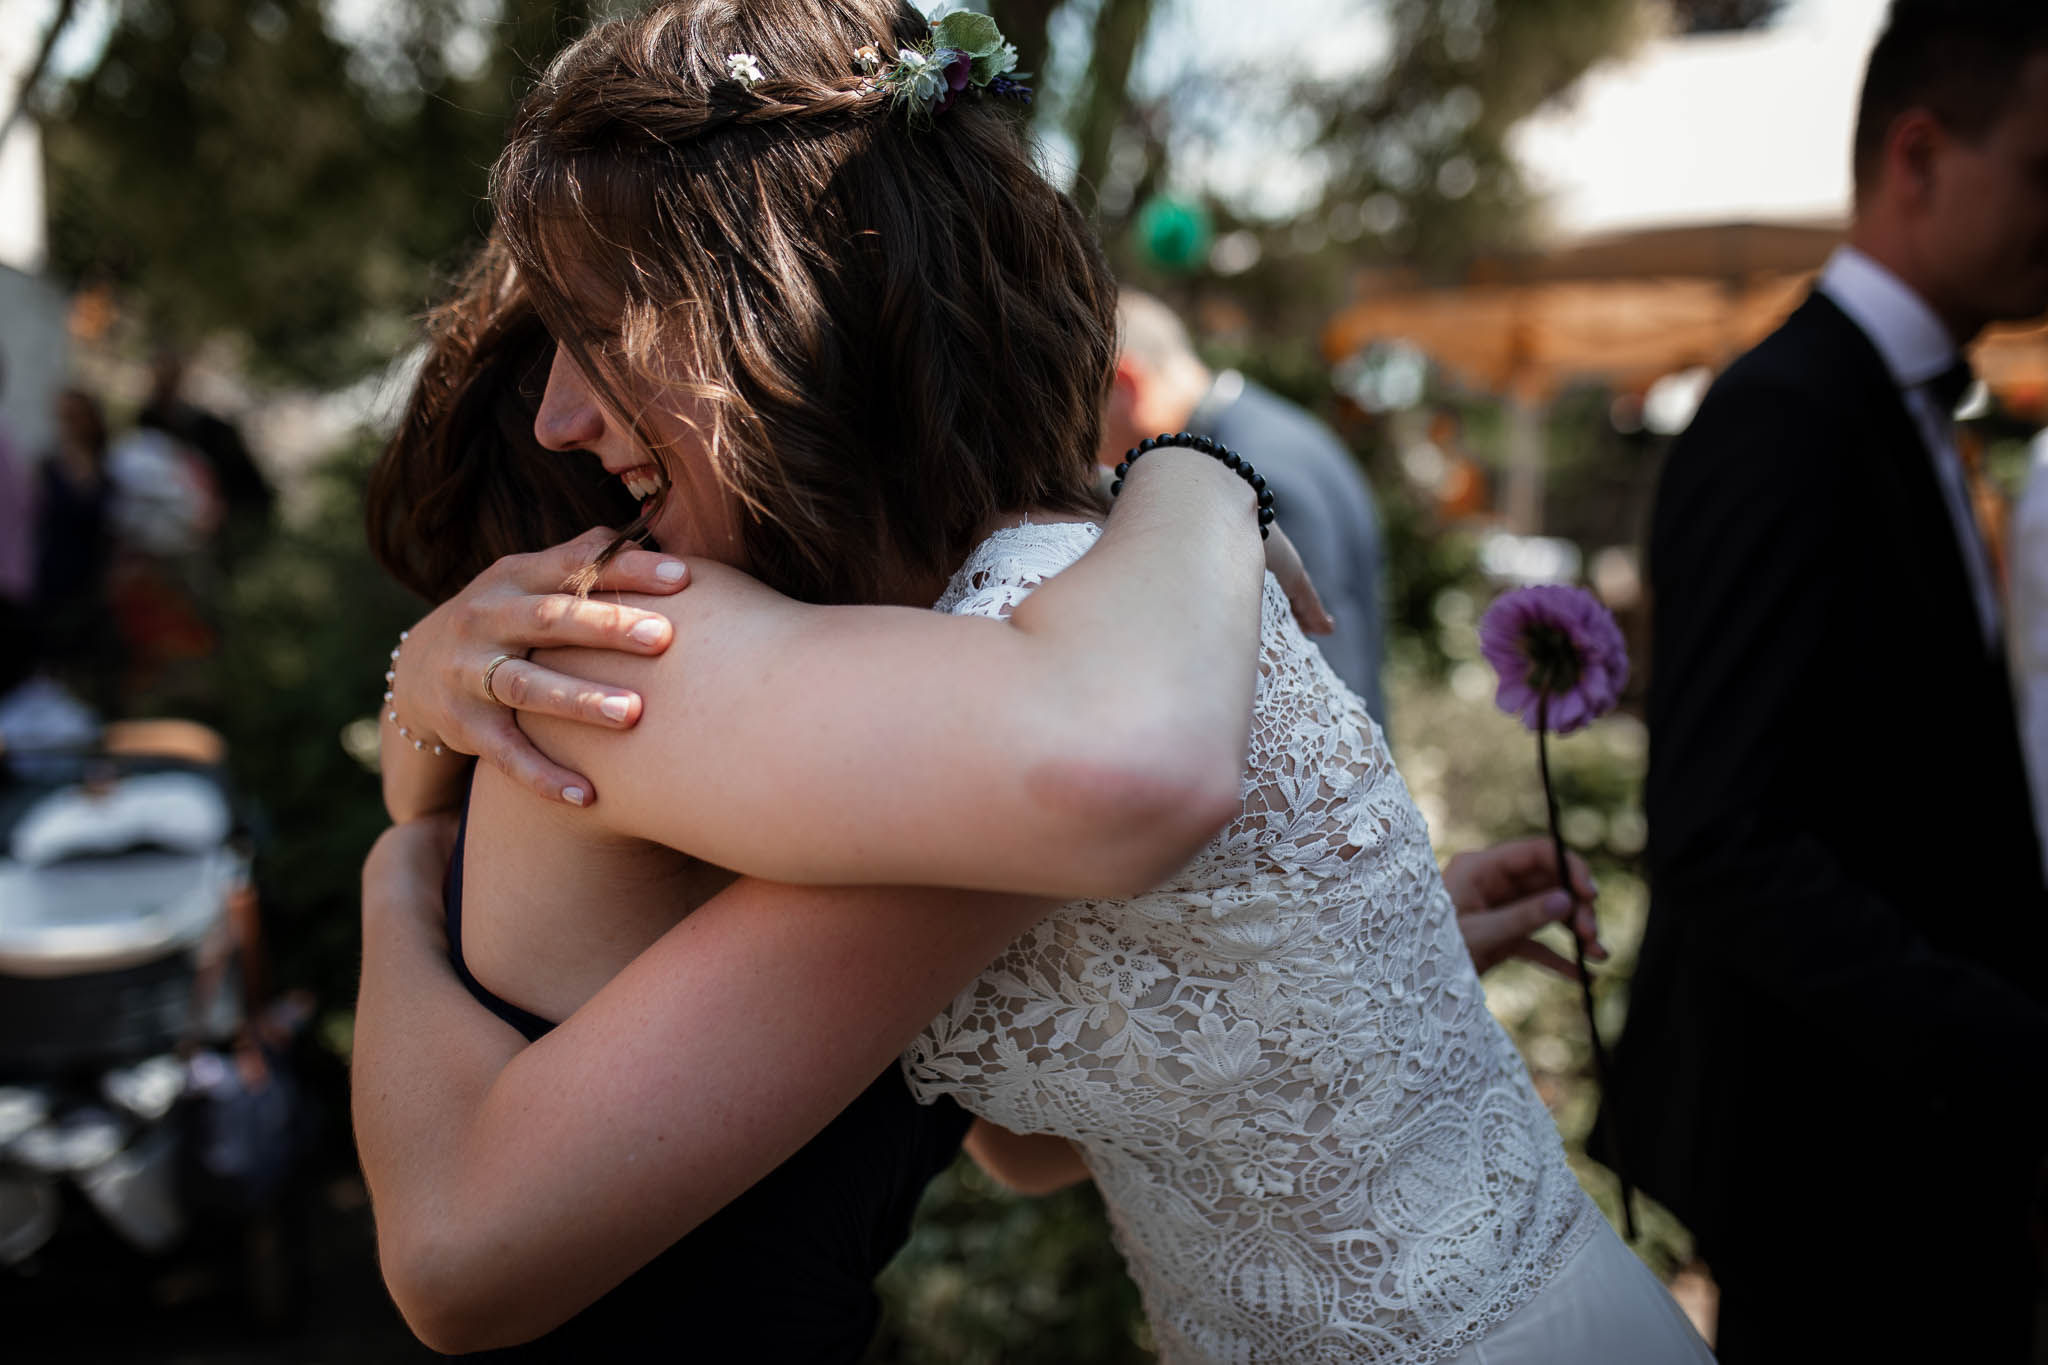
670,570
1557,903
648,632
575,796
615,708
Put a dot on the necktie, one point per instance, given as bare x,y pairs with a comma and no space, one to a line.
1953,468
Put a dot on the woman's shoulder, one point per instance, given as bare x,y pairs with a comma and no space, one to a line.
1012,561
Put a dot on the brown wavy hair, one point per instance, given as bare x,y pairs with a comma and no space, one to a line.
462,481
883,335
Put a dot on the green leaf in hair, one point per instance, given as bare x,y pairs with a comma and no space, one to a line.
1001,62
966,31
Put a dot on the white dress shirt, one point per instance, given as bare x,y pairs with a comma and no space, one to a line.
1917,349
2030,631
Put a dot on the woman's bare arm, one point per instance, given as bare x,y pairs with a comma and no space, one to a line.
1087,745
1179,548
513,1186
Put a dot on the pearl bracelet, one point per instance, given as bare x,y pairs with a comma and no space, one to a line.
1207,446
391,681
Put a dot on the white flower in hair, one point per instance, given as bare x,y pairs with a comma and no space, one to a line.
922,75
745,68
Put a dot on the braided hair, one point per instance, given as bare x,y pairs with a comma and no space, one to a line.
882,334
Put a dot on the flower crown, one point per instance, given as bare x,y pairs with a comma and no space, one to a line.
965,51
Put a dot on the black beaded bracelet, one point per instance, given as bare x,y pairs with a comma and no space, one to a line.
1208,446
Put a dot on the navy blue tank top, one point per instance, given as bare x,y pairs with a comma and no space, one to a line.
785,1273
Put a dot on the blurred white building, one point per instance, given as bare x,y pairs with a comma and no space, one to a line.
34,343
1708,129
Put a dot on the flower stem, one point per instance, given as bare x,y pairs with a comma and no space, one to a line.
1564,877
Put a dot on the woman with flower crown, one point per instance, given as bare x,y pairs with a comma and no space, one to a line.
817,305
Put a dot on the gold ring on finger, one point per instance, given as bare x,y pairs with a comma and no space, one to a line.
490,670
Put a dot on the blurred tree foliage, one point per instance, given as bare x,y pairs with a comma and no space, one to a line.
1410,154
234,167
242,167
1418,158
1408,157
1720,16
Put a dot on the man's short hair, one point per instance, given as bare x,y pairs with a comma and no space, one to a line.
1152,333
1958,59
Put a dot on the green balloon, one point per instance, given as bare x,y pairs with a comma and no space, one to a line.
1173,234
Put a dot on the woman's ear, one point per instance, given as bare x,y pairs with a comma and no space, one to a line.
1120,413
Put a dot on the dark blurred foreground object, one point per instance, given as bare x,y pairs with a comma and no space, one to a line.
144,1090
1835,1067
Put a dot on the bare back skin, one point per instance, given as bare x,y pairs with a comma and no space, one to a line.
554,906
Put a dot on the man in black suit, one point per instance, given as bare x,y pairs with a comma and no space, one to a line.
1835,1068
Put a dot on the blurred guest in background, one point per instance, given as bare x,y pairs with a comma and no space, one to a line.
245,494
71,541
73,549
1836,1061
1162,385
167,580
2029,629
17,514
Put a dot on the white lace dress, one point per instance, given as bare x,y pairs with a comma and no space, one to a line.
1314,1141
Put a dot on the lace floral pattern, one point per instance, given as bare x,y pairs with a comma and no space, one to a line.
1315,1143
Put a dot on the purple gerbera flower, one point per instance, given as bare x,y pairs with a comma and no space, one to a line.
1562,662
1560,657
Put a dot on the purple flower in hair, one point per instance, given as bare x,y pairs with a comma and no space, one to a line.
957,71
1005,88
1560,657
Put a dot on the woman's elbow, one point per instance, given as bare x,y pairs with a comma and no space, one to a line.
443,1291
1142,813
1030,1164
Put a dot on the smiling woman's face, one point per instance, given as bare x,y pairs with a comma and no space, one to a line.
697,515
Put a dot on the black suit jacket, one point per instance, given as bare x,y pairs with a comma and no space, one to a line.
1843,968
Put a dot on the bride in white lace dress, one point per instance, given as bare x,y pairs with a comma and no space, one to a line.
1314,1141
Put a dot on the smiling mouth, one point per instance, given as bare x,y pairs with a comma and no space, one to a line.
642,481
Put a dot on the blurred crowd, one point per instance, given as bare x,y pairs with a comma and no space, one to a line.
116,549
